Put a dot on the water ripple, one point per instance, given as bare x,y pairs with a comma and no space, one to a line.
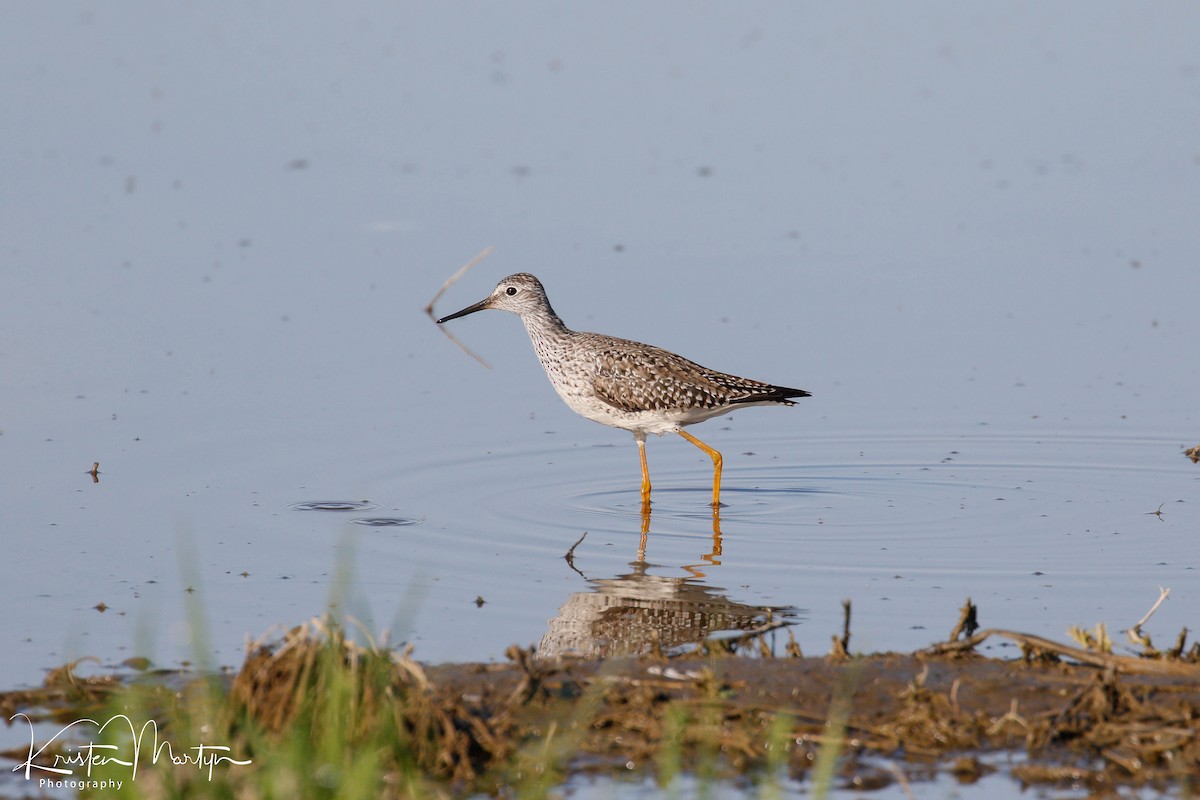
385,522
339,506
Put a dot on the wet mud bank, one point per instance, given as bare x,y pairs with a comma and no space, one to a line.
1051,714
1070,724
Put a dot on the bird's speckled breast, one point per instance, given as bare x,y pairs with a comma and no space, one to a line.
570,375
573,361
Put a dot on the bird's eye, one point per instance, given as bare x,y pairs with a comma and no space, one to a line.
510,291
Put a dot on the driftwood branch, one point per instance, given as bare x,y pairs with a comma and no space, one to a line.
1132,665
1135,633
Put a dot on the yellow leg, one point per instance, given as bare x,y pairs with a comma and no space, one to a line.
641,551
641,443
716,459
716,533
714,557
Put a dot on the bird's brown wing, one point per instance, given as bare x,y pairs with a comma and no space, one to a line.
648,378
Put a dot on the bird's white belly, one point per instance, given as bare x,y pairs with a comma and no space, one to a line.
583,401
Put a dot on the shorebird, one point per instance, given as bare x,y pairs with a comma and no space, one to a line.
629,385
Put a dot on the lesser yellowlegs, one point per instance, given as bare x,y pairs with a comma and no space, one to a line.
637,387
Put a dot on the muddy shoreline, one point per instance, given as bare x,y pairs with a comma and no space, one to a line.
1075,725
1066,716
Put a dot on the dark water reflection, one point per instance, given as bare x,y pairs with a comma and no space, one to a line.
637,613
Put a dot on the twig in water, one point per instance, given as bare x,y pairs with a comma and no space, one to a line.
757,632
1132,665
1176,652
902,779
1163,594
570,556
1135,633
484,253
1012,716
841,647
967,623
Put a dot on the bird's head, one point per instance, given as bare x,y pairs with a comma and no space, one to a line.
521,294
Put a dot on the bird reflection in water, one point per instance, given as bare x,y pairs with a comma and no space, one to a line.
710,558
639,613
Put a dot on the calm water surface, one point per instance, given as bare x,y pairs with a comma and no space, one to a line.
971,236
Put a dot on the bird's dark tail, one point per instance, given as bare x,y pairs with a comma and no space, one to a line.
776,394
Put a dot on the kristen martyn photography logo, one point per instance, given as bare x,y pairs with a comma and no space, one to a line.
72,758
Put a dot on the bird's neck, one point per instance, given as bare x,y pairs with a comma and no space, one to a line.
545,327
